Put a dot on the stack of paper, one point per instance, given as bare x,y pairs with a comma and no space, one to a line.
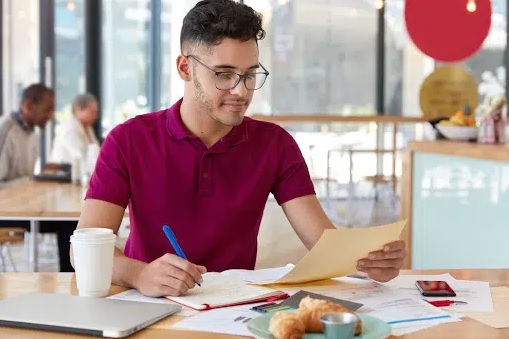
407,315
476,294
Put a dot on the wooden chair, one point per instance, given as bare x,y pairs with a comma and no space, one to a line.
8,236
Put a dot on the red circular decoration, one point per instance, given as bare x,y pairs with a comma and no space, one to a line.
445,30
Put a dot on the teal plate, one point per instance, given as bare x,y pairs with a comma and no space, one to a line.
372,328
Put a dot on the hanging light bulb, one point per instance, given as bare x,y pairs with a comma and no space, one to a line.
471,6
71,6
379,4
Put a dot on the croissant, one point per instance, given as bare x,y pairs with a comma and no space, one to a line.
286,325
310,310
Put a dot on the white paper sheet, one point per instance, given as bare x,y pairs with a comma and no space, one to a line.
407,328
408,315
477,294
230,320
218,290
407,282
259,276
135,295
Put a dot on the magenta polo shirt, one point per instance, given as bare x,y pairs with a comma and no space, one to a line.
213,198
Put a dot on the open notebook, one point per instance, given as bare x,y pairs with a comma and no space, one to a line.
219,290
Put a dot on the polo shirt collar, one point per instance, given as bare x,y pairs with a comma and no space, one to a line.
177,130
16,116
174,124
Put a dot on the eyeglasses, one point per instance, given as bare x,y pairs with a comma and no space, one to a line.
226,81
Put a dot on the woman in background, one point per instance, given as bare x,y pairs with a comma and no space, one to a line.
72,140
75,135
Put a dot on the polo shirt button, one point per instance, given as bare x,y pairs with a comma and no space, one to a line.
205,175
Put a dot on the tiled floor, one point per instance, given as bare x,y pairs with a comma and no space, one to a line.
362,212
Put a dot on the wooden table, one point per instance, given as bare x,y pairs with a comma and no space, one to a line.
12,284
37,201
30,199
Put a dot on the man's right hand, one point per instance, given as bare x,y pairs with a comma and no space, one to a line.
168,275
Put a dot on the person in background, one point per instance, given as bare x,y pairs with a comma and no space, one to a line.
18,140
19,150
75,135
205,169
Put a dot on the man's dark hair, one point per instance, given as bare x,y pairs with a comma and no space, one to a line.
35,93
210,21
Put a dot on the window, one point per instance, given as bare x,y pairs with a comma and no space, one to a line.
125,60
20,49
126,56
69,55
173,12
321,55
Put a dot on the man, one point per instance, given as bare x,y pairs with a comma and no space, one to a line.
204,169
18,142
19,152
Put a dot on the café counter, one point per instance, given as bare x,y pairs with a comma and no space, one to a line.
455,196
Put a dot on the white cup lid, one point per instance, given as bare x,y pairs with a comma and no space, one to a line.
96,233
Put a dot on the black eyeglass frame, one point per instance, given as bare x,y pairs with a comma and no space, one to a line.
240,77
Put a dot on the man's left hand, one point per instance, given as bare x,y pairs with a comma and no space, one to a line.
385,264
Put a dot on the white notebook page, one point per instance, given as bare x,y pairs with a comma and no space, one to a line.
218,289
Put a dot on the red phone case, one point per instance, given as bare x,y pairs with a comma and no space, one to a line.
435,288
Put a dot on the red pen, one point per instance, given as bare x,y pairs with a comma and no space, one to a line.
445,303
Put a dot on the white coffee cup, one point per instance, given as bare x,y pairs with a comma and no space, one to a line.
93,250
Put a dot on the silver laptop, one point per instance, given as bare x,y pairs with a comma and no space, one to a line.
73,314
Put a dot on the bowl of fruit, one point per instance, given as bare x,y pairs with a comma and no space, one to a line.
460,126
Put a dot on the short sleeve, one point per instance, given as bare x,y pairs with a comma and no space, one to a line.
110,180
292,179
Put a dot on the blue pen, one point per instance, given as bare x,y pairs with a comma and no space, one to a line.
173,241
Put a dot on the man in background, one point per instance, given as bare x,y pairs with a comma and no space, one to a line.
18,140
19,149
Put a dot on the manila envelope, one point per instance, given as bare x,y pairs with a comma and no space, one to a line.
337,251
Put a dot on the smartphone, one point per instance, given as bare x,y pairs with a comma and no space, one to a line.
435,288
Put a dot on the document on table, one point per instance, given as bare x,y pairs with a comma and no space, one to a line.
403,313
230,320
499,318
408,315
337,251
259,276
135,295
346,288
477,294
